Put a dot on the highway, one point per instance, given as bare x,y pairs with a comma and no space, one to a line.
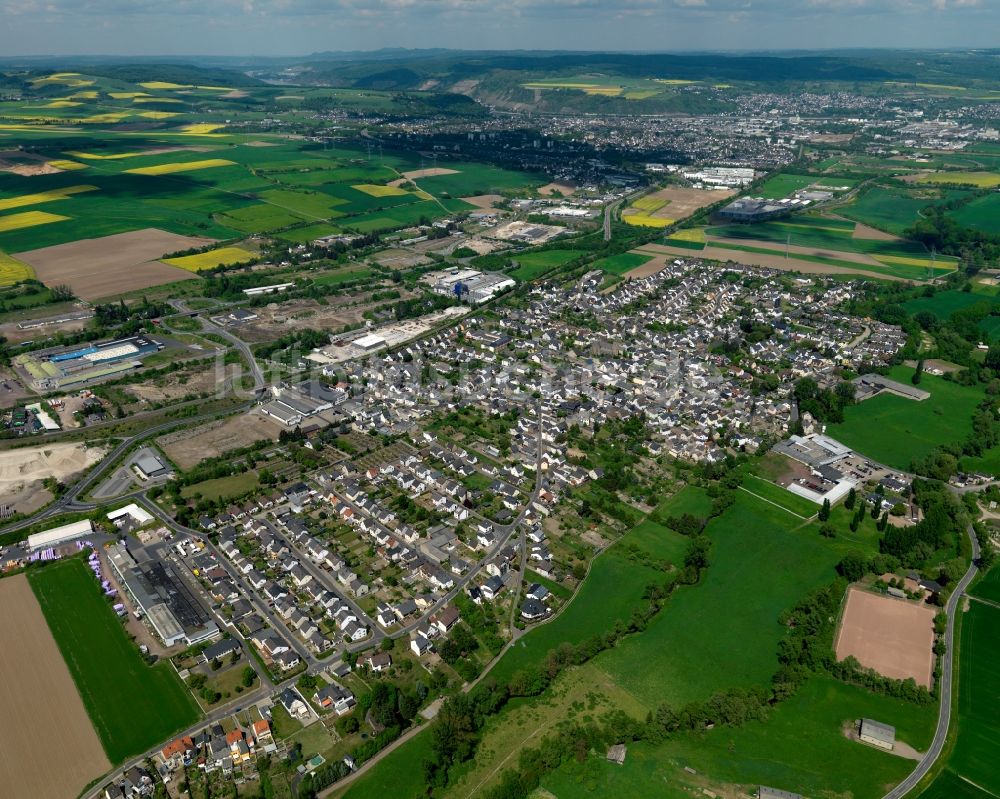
947,664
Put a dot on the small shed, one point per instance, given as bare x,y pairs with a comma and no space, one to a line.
616,754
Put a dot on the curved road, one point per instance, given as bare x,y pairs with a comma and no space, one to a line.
947,662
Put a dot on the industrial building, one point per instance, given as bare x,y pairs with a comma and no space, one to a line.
67,367
471,285
60,535
162,597
148,465
758,209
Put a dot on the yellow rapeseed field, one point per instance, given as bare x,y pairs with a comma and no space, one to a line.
43,197
61,163
643,220
375,190
202,127
187,166
13,271
981,180
210,260
27,219
649,204
695,234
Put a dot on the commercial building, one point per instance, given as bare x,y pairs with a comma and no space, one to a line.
149,465
757,209
60,535
877,734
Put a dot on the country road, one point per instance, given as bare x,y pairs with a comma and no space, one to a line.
947,663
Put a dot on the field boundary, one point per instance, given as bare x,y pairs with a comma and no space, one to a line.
771,502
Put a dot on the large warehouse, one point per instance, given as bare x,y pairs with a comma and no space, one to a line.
163,597
60,535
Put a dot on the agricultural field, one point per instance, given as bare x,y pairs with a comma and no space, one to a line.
983,214
132,705
470,179
622,263
41,705
13,271
944,303
100,267
894,430
211,259
981,180
531,265
971,767
894,209
832,241
674,661
791,750
611,591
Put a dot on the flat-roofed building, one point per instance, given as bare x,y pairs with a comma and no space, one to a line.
60,535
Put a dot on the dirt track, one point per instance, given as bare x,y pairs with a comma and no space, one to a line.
95,268
892,636
48,747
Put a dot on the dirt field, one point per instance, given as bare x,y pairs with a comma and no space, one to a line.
169,388
274,320
565,189
768,261
399,259
41,707
872,234
485,202
22,470
682,201
892,636
95,268
189,447
25,164
429,173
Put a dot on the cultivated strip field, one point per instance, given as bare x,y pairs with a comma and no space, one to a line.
95,268
892,636
133,705
48,747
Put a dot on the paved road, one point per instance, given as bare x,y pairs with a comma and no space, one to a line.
210,327
947,662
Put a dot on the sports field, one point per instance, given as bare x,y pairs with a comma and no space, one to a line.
41,706
892,636
132,706
972,765
894,430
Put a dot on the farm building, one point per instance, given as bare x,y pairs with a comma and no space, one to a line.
877,734
60,535
763,792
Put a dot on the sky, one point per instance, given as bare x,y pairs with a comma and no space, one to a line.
299,27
